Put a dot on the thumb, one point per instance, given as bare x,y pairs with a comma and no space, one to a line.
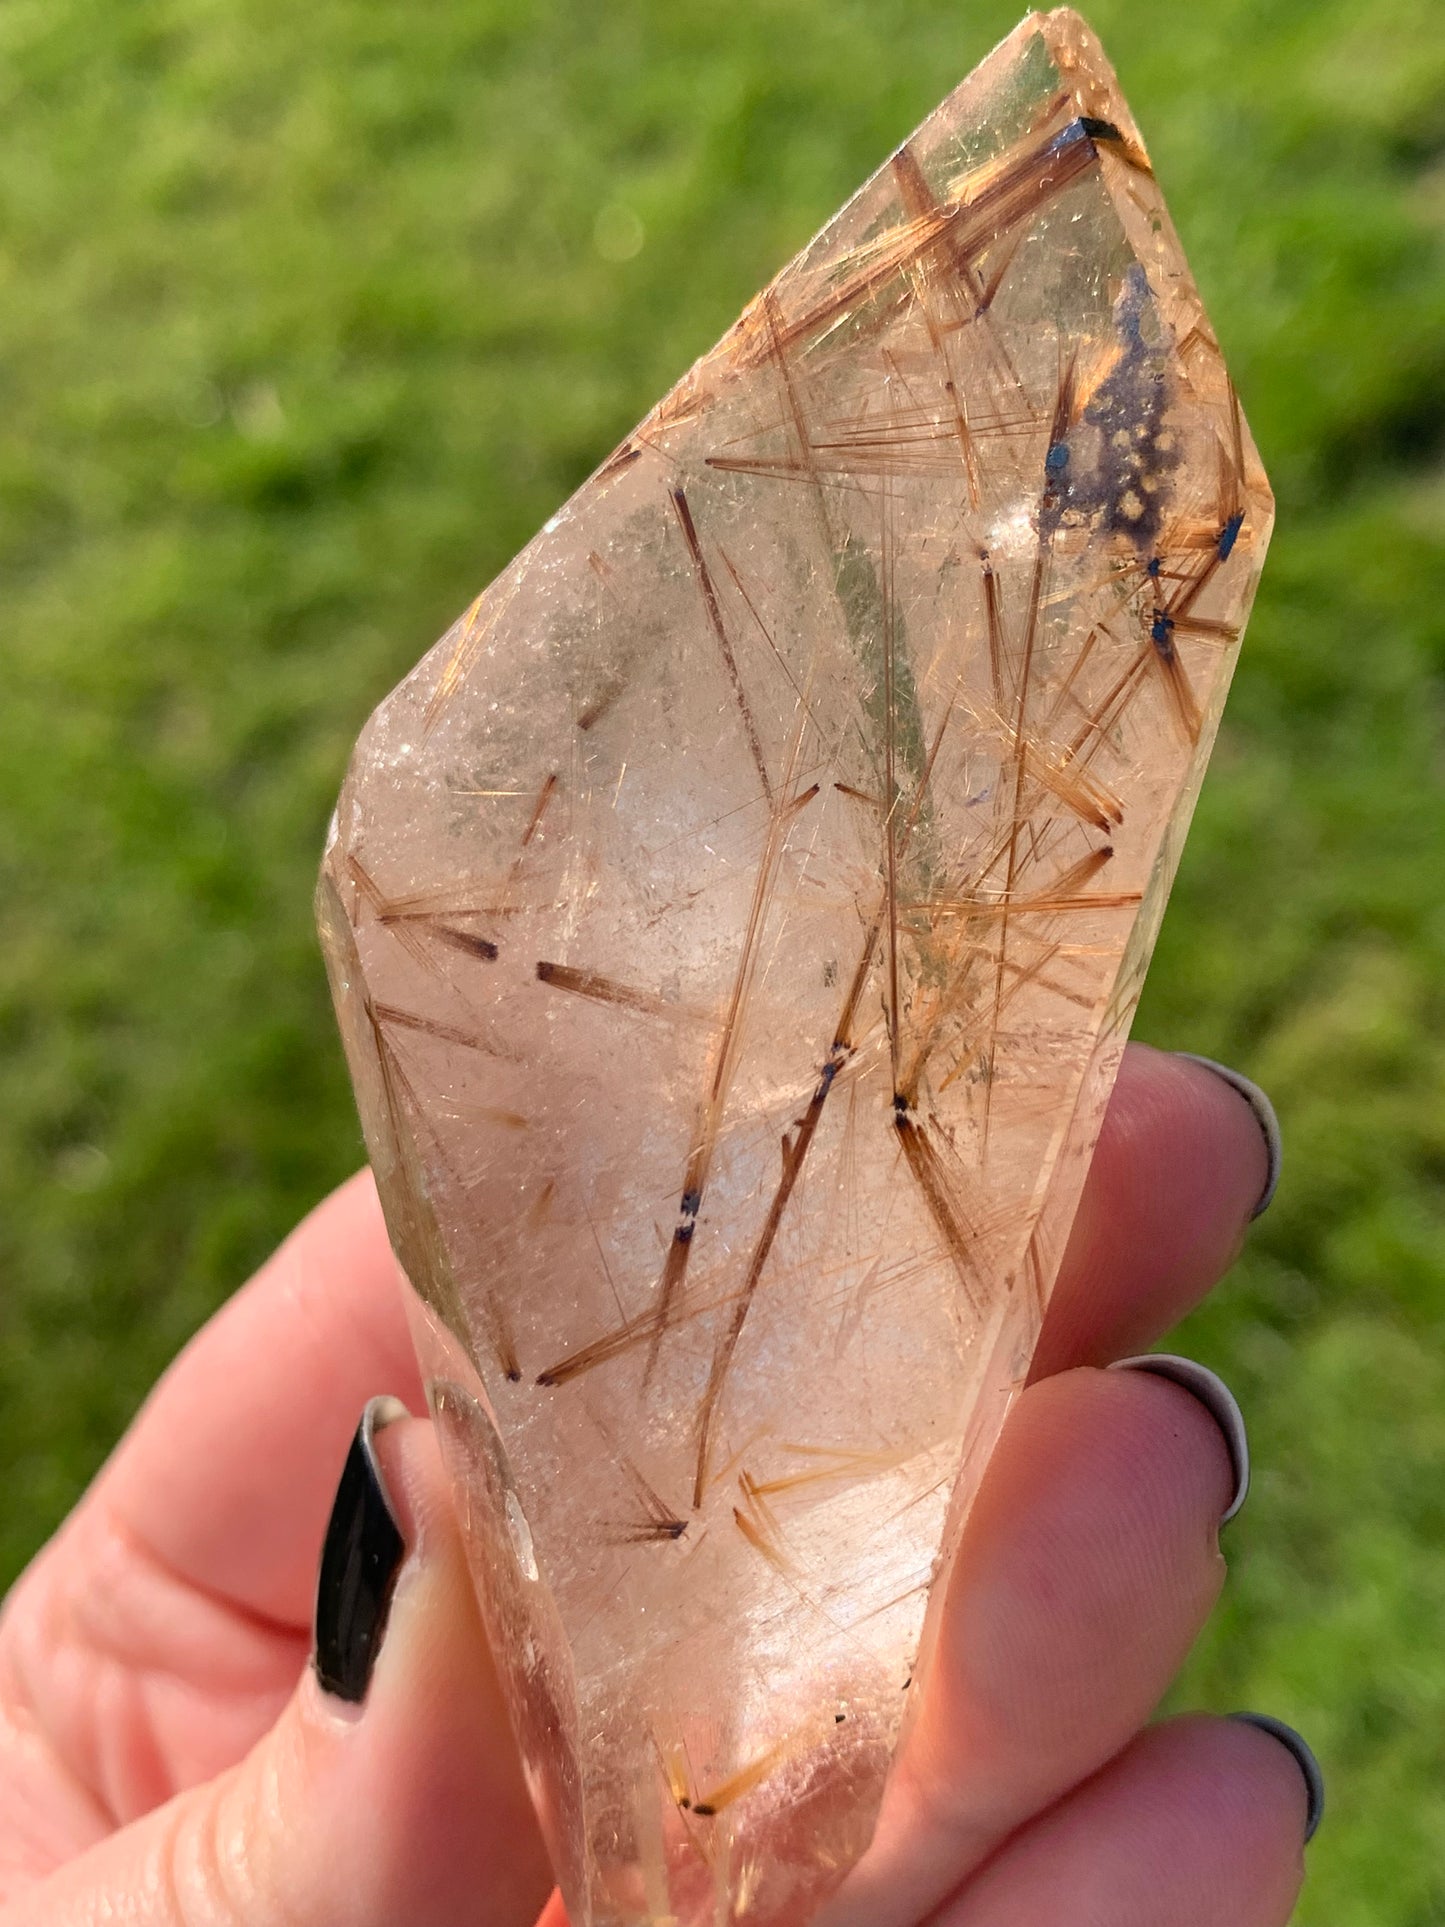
391,1792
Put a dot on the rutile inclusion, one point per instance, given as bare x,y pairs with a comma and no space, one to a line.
734,923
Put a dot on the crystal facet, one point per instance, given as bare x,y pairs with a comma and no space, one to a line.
734,923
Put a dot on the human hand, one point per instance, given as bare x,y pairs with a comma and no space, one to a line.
169,1758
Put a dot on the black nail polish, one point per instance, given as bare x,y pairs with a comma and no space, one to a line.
1216,1398
1297,1746
360,1558
1264,1116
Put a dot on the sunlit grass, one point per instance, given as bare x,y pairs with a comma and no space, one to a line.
312,313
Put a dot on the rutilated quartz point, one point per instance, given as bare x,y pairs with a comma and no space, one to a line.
734,923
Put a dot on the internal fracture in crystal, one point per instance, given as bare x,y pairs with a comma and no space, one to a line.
734,923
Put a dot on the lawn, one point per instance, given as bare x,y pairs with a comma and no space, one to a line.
309,315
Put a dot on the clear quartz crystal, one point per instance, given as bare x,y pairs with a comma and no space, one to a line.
734,923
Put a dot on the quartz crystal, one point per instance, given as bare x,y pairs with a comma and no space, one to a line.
734,923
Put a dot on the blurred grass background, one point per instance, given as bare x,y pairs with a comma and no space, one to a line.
310,314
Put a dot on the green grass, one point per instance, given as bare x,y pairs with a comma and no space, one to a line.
309,314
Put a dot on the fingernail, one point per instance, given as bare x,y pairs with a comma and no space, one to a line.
360,1558
1308,1765
1216,1398
1265,1117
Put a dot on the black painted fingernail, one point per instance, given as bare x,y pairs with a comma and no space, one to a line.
1305,1760
1265,1117
1216,1398
360,1558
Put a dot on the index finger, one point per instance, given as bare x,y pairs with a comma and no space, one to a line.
1181,1164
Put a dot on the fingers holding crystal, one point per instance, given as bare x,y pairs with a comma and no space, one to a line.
1179,1170
1200,1822
1088,1565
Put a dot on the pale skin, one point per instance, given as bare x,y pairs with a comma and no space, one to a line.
167,1758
